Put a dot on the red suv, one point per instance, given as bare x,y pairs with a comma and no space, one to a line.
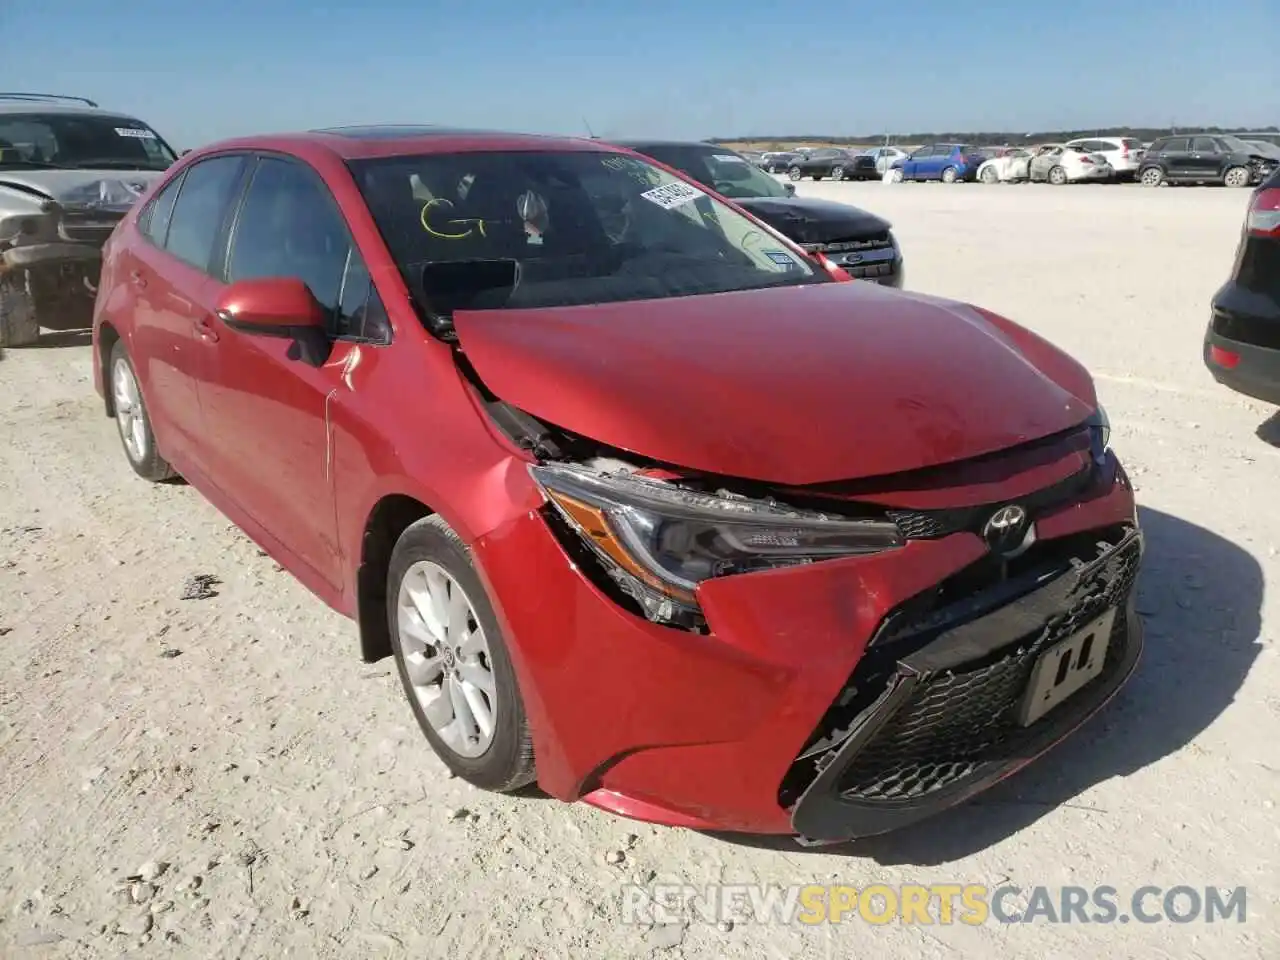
646,505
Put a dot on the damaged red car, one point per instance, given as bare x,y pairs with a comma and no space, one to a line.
647,505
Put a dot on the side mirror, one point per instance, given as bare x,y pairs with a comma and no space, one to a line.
789,189
282,307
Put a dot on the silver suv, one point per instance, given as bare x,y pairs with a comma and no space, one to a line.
68,172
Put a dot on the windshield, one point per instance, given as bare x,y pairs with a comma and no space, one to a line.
726,173
543,229
80,141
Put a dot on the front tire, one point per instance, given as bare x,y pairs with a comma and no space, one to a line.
837,173
897,176
132,419
453,660
1238,177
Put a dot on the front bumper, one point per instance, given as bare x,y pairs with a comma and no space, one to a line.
940,724
707,730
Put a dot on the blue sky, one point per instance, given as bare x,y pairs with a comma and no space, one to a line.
199,71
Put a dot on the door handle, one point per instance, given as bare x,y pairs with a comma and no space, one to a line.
206,329
137,279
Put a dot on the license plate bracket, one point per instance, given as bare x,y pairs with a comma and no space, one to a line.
1065,668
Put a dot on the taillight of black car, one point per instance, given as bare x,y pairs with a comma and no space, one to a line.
1242,344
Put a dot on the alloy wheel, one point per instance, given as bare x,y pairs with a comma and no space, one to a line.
447,659
127,399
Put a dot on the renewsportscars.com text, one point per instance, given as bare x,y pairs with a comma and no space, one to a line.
929,904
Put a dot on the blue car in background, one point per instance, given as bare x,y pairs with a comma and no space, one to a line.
948,162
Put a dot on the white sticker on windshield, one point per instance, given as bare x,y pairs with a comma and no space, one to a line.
136,132
672,195
727,158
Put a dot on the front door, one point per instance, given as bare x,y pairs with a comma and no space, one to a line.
1206,159
265,413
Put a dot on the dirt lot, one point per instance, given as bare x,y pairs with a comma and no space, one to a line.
239,739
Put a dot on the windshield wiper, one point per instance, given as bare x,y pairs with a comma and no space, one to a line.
40,164
113,163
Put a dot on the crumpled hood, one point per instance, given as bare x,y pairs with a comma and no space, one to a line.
792,385
105,189
808,220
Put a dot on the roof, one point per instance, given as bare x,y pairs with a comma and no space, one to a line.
635,144
45,108
390,140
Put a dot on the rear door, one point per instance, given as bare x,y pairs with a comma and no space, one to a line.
265,414
1175,157
171,280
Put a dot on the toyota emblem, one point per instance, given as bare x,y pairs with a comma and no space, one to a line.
1006,529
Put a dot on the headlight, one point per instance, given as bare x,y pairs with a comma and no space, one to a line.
1100,433
666,540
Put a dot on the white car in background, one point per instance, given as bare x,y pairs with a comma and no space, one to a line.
1012,164
1123,153
1058,163
884,157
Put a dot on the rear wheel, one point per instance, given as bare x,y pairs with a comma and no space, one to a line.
989,175
453,660
1238,177
134,423
1058,176
949,175
1151,177
897,176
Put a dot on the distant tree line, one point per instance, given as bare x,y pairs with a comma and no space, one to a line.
988,138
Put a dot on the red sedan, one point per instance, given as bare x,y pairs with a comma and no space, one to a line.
645,503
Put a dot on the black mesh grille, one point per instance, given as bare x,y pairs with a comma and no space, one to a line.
869,271
92,228
955,722
933,524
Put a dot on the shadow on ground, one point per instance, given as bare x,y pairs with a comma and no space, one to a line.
1201,601
62,338
1269,430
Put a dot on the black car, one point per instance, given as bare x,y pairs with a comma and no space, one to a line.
1204,158
777,161
1242,344
836,163
858,242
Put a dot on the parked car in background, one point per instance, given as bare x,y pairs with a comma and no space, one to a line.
1123,153
1204,158
948,162
69,171
1266,148
885,157
1060,163
860,243
1242,343
1266,136
644,506
833,162
1011,164
777,161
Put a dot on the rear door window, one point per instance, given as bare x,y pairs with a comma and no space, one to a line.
201,209
154,221
1204,145
1172,145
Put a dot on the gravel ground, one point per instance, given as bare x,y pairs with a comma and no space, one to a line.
236,737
